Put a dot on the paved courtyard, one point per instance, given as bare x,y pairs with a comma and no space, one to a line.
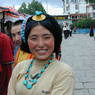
79,52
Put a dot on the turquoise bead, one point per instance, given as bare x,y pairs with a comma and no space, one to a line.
46,65
29,86
32,60
50,61
26,76
34,81
25,82
28,70
30,65
42,70
39,75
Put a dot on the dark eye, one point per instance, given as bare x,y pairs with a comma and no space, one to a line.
13,35
33,38
19,33
47,37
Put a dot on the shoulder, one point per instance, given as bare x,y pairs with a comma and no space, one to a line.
5,38
2,35
23,63
63,73
22,66
63,68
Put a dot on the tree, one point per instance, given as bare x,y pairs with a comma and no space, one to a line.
30,8
84,23
23,8
90,1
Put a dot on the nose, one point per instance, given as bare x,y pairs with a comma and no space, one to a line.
41,43
17,37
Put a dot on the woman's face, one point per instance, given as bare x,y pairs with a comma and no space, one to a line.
41,42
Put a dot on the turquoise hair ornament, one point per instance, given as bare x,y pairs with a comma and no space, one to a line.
38,13
39,16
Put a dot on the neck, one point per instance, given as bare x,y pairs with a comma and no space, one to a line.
40,62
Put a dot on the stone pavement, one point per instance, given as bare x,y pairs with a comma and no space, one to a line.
79,52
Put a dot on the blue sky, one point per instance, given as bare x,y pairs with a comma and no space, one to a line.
53,7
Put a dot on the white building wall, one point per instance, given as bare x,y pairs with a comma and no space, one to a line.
71,4
90,11
72,8
82,7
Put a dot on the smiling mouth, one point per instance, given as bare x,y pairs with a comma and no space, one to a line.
42,51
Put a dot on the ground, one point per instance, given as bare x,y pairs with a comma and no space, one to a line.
79,52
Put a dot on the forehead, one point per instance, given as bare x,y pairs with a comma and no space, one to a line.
39,29
16,28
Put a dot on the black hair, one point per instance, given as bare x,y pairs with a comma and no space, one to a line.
49,23
24,47
8,26
18,22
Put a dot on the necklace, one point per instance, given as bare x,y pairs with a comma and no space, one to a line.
30,81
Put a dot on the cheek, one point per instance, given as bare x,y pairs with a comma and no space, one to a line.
31,44
13,38
19,37
51,44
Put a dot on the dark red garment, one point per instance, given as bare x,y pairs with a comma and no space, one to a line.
0,67
6,49
6,56
4,78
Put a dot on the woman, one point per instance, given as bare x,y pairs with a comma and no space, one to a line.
44,74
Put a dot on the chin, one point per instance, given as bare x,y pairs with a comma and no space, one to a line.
18,44
43,58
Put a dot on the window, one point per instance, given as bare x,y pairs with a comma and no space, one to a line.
76,7
67,8
67,1
75,1
93,7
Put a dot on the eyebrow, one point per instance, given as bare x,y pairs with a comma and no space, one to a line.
34,35
46,35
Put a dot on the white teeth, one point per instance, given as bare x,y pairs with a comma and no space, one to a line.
42,51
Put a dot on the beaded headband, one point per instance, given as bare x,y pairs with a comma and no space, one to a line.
37,17
23,28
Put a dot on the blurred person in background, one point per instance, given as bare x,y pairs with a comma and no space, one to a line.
19,54
91,33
